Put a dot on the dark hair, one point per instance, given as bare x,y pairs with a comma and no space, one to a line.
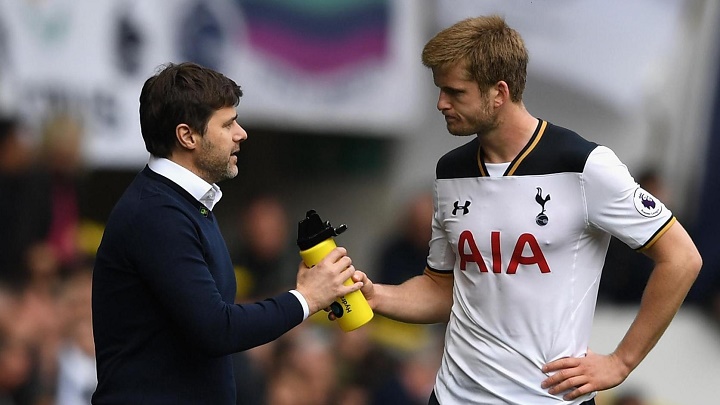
490,50
184,93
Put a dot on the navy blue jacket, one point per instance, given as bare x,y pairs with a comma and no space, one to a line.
164,317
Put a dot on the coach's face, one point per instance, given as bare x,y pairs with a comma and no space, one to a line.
216,157
466,108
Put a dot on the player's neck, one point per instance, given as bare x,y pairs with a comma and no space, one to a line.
514,130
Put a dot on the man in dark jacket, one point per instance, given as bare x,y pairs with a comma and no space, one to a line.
164,318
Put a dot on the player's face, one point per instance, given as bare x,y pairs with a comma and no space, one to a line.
217,159
466,108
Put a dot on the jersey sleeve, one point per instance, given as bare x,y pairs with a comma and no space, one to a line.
441,258
618,205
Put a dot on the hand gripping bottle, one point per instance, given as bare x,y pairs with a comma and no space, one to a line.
315,240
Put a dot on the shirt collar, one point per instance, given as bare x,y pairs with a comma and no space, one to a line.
208,194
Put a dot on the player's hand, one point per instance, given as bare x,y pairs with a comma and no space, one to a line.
579,376
324,282
368,290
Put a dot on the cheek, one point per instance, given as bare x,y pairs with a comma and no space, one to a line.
481,110
470,113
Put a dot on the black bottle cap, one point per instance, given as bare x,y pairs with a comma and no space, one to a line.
312,230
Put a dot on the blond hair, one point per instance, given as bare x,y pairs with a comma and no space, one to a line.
490,50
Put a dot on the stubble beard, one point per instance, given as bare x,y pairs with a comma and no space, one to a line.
213,166
225,171
483,122
481,126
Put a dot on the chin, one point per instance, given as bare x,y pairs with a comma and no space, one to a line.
232,173
460,133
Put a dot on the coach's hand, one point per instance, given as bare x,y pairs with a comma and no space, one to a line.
583,375
322,283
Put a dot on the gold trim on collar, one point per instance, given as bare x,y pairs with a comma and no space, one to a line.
529,149
480,162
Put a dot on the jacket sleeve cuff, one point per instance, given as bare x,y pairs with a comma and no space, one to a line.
303,302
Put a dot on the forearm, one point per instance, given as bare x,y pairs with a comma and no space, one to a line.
422,299
666,289
264,321
239,327
664,293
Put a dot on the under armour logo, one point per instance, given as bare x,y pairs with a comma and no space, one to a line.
541,219
464,208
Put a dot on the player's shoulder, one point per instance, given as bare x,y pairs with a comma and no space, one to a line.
552,149
557,150
459,162
564,139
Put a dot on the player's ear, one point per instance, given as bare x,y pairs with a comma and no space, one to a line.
500,93
187,138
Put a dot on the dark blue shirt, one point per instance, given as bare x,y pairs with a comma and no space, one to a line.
164,318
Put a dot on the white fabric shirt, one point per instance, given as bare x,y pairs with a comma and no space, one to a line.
206,193
526,253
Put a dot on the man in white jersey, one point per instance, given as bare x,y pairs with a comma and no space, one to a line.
523,217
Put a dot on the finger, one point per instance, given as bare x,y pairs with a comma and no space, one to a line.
347,273
557,378
359,276
560,364
578,392
335,254
568,384
353,287
342,264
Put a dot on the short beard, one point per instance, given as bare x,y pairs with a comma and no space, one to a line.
214,169
486,127
481,127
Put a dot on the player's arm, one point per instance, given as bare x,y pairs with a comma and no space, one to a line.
677,263
426,298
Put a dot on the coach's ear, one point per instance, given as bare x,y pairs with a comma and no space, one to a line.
187,138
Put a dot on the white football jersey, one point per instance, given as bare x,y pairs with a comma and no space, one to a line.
526,251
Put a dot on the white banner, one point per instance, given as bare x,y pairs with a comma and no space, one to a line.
320,65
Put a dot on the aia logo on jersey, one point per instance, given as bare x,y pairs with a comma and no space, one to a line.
646,204
541,219
527,252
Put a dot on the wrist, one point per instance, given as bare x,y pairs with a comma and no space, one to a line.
307,309
375,299
624,363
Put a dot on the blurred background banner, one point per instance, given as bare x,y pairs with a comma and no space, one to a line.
579,42
328,65
323,65
88,57
635,76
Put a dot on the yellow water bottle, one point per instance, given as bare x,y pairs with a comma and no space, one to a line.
316,240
